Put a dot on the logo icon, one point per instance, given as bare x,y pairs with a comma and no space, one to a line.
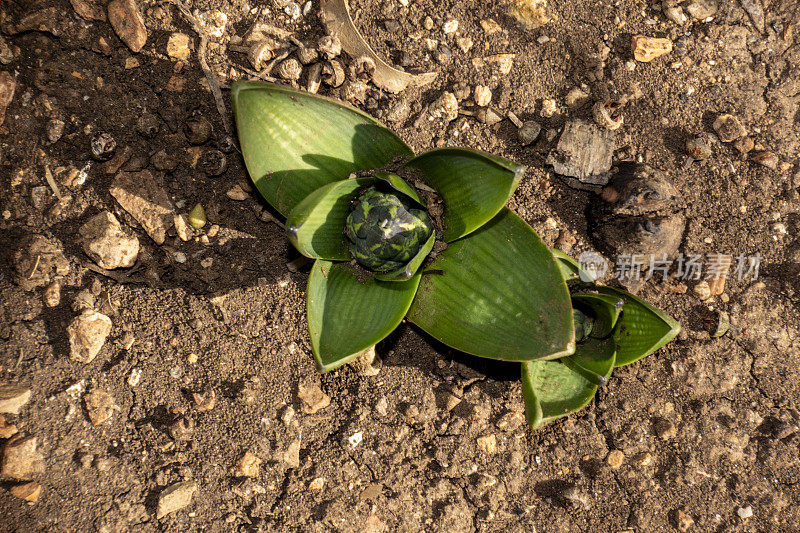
592,266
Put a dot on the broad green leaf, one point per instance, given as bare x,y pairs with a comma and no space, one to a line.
642,329
473,185
398,184
553,389
316,225
604,308
412,266
497,293
294,142
349,311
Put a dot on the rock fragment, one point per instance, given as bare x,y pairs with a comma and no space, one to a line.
584,151
683,521
128,23
445,107
646,49
87,334
487,444
13,397
29,492
107,243
7,429
99,405
729,128
483,95
7,86
145,198
615,459
248,466
175,497
698,148
291,456
702,9
21,459
88,9
312,397
178,46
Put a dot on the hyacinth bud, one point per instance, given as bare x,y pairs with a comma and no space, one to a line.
385,232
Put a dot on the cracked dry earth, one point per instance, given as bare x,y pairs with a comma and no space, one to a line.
202,410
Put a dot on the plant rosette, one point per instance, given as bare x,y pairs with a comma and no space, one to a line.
493,290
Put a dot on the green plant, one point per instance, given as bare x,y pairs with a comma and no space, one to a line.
476,277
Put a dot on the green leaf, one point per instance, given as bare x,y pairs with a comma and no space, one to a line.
553,389
604,308
295,142
349,311
316,225
473,185
570,268
398,184
643,329
497,293
410,268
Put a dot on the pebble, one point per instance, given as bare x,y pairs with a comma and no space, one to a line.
744,144
135,377
702,9
510,421
451,26
445,107
584,151
7,430
674,12
29,492
702,290
487,444
109,245
143,196
312,397
483,95
291,456
99,405
645,49
87,334
529,132
744,512
175,497
615,459
52,294
317,484
665,429
549,108
205,401
576,98
21,459
767,159
697,147
729,128
683,521
103,146
643,458
128,23
55,129
7,86
82,301
178,46
13,397
248,466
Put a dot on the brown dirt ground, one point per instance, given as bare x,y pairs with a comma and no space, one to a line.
733,400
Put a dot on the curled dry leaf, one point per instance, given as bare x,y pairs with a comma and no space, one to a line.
337,20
